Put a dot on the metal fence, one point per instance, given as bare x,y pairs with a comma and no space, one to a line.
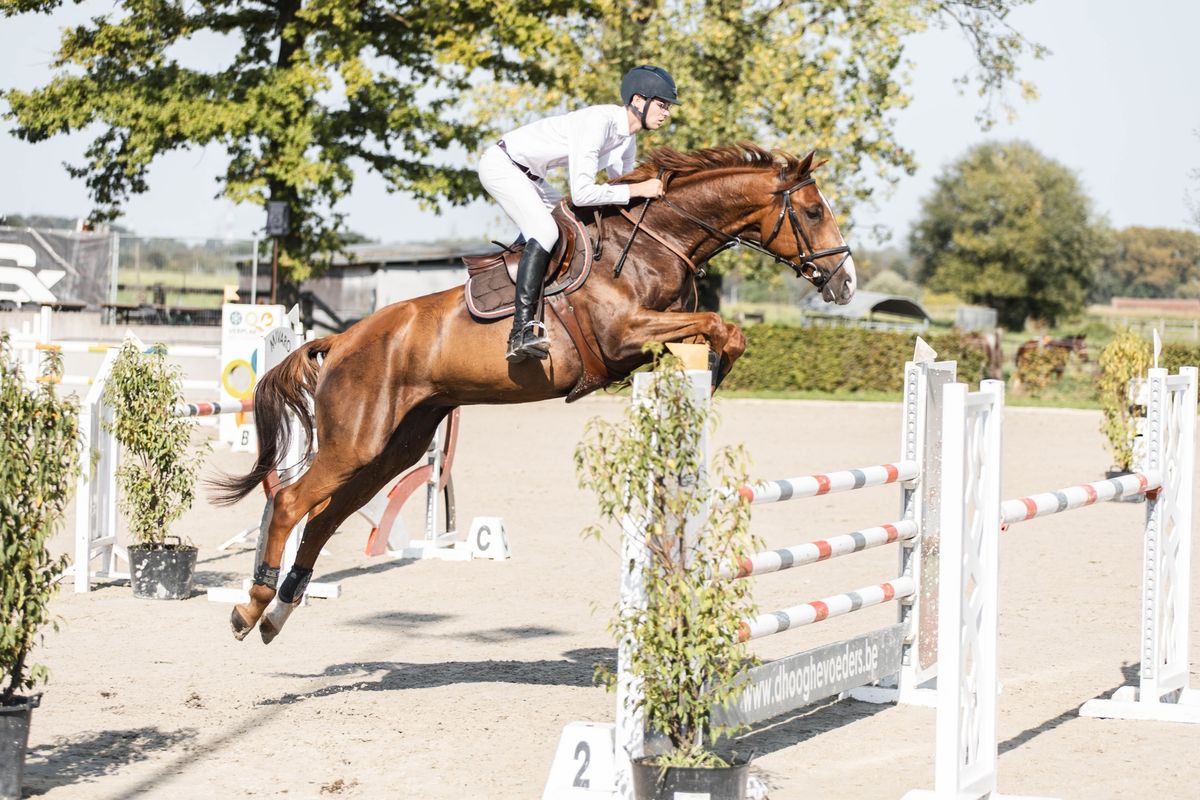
135,279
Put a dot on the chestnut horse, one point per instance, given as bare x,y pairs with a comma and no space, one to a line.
381,388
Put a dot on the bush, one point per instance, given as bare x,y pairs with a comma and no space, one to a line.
1175,356
1126,357
781,358
39,462
1038,366
683,647
157,476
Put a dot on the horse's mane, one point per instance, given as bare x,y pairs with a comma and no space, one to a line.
742,154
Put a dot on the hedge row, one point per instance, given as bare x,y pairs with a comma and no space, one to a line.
783,358
1175,356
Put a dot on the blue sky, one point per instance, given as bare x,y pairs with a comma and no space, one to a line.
1119,104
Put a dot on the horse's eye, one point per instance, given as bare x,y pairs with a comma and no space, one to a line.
814,213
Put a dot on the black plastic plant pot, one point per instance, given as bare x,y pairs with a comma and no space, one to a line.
163,571
652,782
14,737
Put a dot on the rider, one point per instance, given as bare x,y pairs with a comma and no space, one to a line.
513,171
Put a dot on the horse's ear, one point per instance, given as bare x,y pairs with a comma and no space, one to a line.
806,163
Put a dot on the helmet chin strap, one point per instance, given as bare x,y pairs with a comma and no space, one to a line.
642,114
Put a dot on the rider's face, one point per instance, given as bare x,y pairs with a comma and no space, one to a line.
657,114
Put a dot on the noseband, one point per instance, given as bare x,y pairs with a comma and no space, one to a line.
805,263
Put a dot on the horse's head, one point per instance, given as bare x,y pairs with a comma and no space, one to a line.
800,230
745,195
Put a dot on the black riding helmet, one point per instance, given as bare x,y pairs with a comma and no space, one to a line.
651,83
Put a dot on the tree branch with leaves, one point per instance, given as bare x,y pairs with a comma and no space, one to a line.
304,92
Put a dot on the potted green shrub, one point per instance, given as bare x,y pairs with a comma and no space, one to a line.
158,469
1126,358
39,462
682,647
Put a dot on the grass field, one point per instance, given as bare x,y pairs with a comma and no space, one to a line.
181,289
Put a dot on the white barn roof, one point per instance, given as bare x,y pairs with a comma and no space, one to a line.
864,304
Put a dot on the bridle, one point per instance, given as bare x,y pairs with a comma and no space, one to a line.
805,264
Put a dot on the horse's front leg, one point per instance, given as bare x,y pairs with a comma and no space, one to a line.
723,337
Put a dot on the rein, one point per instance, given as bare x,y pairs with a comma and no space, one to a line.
637,225
649,232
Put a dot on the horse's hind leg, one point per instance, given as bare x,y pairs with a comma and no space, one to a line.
291,503
400,454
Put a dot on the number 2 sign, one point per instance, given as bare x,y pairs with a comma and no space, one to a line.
583,763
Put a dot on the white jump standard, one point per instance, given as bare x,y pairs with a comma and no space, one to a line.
966,757
1162,692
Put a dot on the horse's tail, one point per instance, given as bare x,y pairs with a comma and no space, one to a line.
288,387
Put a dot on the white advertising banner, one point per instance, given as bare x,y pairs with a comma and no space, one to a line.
244,329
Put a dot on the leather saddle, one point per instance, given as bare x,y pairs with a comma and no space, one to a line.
491,289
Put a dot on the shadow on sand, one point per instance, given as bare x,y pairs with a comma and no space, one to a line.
94,754
576,668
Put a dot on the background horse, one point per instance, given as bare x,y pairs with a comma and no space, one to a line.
381,388
1069,345
988,342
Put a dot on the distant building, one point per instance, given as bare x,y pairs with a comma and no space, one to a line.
872,310
1173,305
375,276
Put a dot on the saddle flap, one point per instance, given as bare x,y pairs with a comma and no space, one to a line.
491,278
508,259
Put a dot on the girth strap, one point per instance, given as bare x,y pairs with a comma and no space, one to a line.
595,371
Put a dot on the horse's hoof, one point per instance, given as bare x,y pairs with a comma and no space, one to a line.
272,621
267,631
240,627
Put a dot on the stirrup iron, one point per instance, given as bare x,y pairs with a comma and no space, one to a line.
529,341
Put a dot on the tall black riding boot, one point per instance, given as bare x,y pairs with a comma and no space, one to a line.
528,336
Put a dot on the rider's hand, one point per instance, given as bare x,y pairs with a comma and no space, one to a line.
650,188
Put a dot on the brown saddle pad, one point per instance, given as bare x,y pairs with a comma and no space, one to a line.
491,292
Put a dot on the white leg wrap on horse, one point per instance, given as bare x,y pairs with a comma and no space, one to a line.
272,621
278,613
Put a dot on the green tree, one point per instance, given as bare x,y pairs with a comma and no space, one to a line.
306,91
1009,228
1150,262
892,282
869,262
791,74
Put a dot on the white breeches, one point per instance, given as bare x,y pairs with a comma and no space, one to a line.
527,203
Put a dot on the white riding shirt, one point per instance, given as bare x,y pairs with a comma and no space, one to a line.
583,141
